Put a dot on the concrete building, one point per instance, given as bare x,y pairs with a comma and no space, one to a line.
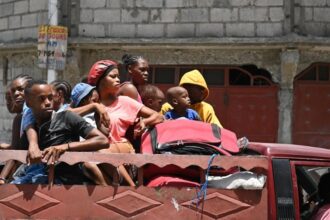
266,61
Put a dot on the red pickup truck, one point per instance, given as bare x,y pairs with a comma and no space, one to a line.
292,173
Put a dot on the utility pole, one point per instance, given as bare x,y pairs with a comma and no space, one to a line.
53,20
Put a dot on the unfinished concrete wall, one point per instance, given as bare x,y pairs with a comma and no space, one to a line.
19,20
312,17
11,66
181,18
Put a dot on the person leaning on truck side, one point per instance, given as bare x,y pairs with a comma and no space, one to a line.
58,132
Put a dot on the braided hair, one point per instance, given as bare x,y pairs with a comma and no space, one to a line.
129,59
23,76
65,87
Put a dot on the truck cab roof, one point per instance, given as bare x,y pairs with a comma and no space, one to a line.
289,151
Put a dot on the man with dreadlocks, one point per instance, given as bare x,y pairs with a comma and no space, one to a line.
14,100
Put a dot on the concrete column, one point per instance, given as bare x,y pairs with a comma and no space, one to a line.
289,64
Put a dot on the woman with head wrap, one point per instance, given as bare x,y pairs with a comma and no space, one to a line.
122,110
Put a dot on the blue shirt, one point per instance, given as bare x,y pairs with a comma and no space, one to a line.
190,114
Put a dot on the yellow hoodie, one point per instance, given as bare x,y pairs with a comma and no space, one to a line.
204,109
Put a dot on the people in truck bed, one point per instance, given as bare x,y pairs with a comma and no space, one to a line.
123,111
152,97
85,94
14,102
179,99
198,91
58,132
137,68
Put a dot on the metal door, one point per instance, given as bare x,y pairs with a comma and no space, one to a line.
311,111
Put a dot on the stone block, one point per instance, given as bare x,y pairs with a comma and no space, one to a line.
253,14
30,33
322,14
313,2
42,18
269,2
297,16
240,30
224,14
194,15
209,30
91,30
21,7
242,2
180,30
6,9
14,22
122,30
221,4
107,15
180,3
92,4
170,15
38,5
134,15
3,24
149,3
86,15
315,29
308,13
29,20
114,3
150,30
155,15
276,14
269,29
205,3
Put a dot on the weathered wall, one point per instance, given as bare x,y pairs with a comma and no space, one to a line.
10,66
312,17
181,18
20,19
277,35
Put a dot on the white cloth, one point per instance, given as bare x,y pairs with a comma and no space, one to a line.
245,180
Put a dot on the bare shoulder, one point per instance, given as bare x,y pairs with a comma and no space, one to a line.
128,89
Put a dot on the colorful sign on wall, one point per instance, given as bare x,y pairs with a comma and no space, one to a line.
52,47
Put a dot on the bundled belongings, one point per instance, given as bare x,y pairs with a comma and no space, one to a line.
189,137
186,137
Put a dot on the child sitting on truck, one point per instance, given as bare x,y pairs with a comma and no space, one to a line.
194,82
179,99
152,97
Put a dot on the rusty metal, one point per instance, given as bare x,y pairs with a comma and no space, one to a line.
99,202
311,106
160,160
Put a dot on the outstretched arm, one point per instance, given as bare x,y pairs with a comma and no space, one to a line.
95,140
34,154
93,107
150,117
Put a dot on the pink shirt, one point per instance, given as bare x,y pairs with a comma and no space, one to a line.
323,213
122,113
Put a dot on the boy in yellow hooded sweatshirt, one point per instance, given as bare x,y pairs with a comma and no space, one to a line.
195,84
